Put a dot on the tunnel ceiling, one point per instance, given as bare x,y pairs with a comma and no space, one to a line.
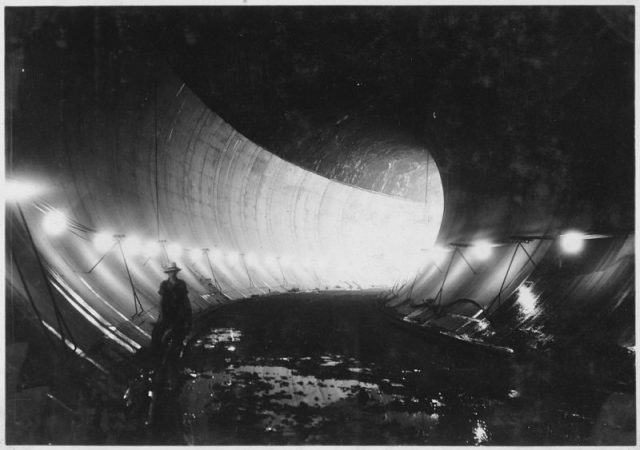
520,106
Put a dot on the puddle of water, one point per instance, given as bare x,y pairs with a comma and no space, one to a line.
301,400
258,378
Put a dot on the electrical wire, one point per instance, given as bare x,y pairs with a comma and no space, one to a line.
30,298
62,324
136,300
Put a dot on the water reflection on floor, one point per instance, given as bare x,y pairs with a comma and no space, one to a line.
332,371
274,397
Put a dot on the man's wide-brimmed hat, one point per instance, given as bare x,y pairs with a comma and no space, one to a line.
172,267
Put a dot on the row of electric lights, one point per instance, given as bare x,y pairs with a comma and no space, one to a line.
571,242
55,223
134,246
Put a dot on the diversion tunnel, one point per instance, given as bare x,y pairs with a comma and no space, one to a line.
423,248
175,182
169,180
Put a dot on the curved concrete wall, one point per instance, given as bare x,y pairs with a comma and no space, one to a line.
268,224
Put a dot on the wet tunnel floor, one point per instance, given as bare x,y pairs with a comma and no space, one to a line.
330,369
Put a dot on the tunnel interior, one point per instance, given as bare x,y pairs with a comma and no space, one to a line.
463,174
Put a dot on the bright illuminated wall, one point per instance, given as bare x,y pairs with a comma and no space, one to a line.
268,224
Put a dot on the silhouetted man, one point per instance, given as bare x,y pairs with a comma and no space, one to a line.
175,310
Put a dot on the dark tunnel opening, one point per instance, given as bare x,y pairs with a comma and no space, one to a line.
397,225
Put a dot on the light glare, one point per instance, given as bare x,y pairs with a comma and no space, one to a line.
437,254
21,190
151,249
572,242
103,241
132,245
193,255
174,250
527,300
54,222
480,433
482,250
